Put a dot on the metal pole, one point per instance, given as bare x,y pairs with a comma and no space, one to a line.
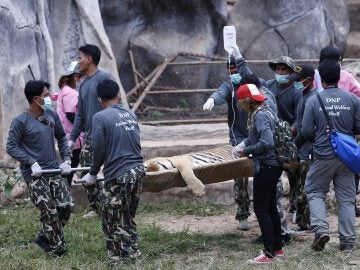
81,169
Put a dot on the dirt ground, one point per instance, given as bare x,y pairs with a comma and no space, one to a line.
227,223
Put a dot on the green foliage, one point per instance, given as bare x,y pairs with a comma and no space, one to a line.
161,249
8,179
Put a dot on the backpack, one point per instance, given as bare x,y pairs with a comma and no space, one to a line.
285,149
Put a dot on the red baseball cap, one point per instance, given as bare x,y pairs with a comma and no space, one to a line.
250,91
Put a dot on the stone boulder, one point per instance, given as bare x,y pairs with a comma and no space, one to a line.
44,35
299,29
159,29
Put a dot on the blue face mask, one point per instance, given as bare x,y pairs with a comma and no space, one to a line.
235,78
47,103
299,86
282,79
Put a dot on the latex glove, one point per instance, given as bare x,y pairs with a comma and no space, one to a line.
36,170
70,144
89,179
65,168
209,104
236,52
237,149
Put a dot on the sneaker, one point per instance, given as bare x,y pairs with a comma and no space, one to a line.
357,212
43,243
258,240
346,246
91,214
286,239
279,253
299,228
243,225
319,241
135,254
58,252
261,259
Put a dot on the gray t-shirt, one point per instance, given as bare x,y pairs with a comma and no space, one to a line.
115,142
31,141
88,104
344,112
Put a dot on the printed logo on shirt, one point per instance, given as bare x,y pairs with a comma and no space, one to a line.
333,108
129,124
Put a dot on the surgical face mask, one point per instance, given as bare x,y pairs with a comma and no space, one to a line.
235,78
299,86
47,103
282,79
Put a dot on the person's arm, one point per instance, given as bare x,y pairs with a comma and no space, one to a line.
297,100
79,121
13,143
357,118
222,94
266,141
308,127
354,85
98,144
60,136
240,62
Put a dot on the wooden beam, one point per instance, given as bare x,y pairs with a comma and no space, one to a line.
151,83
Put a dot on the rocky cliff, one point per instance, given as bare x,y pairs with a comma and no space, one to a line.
45,34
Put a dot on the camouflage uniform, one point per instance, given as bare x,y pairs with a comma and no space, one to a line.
242,198
92,191
51,195
280,208
302,209
119,200
294,180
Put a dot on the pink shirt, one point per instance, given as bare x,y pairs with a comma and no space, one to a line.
67,102
347,82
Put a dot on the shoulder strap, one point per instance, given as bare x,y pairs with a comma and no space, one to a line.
324,111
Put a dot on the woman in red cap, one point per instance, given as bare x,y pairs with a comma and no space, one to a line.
260,146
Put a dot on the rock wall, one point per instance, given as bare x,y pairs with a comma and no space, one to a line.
157,29
45,34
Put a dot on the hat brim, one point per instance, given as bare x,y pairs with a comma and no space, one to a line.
67,73
294,77
258,98
272,65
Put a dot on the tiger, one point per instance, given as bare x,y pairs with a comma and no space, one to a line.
214,165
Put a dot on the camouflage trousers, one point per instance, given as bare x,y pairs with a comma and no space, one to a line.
120,199
242,198
294,179
302,207
92,191
51,195
280,208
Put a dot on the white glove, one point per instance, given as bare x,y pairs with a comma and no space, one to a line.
36,170
236,52
236,149
89,179
65,168
209,104
70,144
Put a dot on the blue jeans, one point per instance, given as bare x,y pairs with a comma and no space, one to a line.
265,182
